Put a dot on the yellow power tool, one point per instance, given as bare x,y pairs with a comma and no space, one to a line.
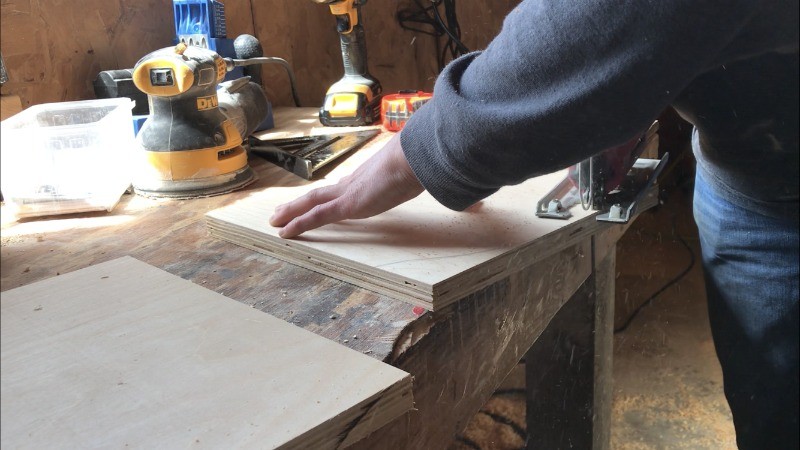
191,147
354,100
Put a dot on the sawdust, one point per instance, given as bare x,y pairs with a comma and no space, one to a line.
676,414
499,426
667,381
19,239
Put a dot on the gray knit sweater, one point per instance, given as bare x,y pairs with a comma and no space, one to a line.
566,79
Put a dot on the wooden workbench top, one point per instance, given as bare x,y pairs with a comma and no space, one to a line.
457,356
172,235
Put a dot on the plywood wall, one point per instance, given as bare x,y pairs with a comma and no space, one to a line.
53,49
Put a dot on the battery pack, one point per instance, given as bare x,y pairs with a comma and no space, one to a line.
397,108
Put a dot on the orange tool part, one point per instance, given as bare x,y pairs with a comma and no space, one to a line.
397,108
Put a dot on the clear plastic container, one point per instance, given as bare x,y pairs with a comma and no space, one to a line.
61,158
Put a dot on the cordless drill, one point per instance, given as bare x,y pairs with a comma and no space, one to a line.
354,100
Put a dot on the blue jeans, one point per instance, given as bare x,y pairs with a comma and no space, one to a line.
751,271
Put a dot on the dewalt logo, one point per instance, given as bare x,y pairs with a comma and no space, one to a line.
204,103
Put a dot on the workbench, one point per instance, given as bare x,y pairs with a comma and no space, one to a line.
557,314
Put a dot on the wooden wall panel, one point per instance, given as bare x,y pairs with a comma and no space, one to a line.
481,20
54,49
299,32
239,17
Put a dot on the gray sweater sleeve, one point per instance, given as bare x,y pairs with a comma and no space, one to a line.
562,81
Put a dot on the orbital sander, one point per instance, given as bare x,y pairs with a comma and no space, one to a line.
192,140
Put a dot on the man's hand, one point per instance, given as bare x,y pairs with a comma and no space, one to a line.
381,183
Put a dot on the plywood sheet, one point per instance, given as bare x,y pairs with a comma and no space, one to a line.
420,252
122,354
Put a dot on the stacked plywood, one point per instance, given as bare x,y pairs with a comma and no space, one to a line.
125,355
419,252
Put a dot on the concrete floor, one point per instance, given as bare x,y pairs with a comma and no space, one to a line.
667,380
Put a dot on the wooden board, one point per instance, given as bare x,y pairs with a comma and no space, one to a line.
420,252
124,354
9,105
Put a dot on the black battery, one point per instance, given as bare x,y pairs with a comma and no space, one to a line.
119,83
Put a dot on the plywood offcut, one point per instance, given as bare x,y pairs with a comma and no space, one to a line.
123,354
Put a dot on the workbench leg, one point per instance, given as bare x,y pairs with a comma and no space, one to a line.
568,369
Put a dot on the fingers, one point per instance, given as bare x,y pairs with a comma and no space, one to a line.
384,181
323,214
288,211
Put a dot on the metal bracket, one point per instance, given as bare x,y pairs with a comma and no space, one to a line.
556,203
636,186
623,201
613,180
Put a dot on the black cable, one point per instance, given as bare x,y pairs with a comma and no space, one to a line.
271,60
669,284
429,20
420,15
450,28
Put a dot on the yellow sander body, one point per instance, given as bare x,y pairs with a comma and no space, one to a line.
189,147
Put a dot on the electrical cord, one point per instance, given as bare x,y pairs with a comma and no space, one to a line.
669,284
429,20
270,60
451,27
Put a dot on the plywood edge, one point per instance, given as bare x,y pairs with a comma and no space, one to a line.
378,280
219,220
334,272
361,421
503,265
291,122
400,290
374,416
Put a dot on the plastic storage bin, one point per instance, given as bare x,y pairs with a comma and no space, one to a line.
61,158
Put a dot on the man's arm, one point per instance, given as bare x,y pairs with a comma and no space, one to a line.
563,80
